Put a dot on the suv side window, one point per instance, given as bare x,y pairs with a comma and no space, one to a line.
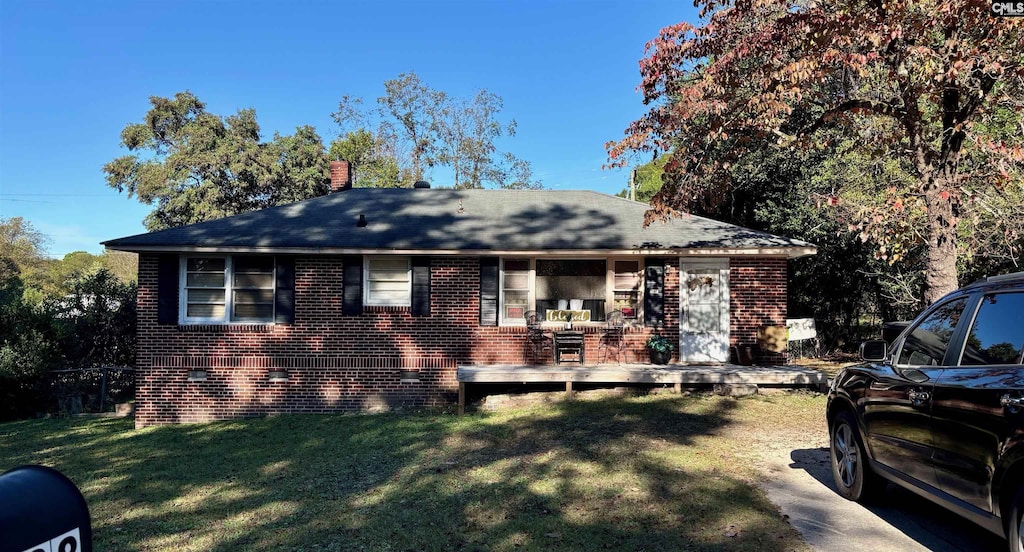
926,344
997,336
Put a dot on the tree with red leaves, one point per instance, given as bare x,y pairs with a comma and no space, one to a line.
924,78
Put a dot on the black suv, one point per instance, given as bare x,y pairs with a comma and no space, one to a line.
940,411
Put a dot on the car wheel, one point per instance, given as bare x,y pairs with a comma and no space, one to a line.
1014,523
854,478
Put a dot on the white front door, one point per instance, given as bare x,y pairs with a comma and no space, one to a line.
704,310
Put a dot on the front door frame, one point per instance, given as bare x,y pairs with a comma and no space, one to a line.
702,346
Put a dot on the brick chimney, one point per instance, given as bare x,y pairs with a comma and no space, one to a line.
341,176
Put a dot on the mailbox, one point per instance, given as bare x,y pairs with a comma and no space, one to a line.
42,511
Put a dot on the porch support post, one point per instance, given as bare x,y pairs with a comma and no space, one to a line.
568,390
678,387
462,397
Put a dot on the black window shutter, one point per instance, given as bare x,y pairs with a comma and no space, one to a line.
352,283
488,291
421,286
284,292
167,283
654,292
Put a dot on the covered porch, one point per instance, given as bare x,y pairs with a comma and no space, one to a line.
677,375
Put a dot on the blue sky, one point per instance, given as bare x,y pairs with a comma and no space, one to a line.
73,74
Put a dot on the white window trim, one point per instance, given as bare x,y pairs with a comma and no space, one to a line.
367,301
530,291
577,323
185,320
609,288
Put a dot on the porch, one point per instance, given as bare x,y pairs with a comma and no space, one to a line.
677,375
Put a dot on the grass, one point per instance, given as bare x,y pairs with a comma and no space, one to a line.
660,472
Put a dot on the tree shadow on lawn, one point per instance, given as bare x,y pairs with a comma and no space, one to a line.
619,473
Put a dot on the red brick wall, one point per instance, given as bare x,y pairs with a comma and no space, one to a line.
757,289
237,386
338,363
335,362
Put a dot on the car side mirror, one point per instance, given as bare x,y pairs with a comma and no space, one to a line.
873,351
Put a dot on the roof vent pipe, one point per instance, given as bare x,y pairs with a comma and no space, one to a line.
421,185
361,223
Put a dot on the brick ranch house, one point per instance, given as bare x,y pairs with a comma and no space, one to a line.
371,298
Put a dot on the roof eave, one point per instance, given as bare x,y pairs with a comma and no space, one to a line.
791,252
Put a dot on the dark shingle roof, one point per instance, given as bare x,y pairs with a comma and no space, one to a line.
437,219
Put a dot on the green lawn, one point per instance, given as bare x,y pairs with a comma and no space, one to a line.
661,472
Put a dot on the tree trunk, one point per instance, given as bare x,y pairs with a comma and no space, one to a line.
940,275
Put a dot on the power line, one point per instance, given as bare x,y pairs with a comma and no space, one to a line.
52,195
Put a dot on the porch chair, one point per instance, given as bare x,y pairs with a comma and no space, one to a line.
536,338
612,336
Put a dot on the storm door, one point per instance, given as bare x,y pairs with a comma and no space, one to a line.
704,310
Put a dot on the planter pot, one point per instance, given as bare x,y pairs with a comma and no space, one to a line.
746,355
660,357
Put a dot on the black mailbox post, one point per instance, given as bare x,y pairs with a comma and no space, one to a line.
42,511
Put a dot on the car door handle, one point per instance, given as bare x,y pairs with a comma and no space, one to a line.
1011,403
919,398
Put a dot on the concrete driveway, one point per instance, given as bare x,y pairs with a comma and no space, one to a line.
801,486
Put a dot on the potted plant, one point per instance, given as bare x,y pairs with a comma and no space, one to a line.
660,348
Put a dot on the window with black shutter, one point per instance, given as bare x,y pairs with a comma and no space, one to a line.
654,292
352,284
227,289
284,295
421,286
167,289
489,291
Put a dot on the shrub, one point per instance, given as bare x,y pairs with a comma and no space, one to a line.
660,344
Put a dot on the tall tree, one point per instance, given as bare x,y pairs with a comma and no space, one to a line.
27,344
418,128
373,158
467,130
919,77
413,108
122,264
22,244
96,319
647,179
60,272
195,166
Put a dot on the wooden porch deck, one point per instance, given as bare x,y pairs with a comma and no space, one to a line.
675,374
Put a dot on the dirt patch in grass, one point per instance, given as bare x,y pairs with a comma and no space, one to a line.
829,365
660,472
784,421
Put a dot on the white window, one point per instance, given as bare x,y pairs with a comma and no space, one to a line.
577,286
586,288
515,289
626,287
387,281
220,290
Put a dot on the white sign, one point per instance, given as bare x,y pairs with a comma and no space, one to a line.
564,314
68,542
801,328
